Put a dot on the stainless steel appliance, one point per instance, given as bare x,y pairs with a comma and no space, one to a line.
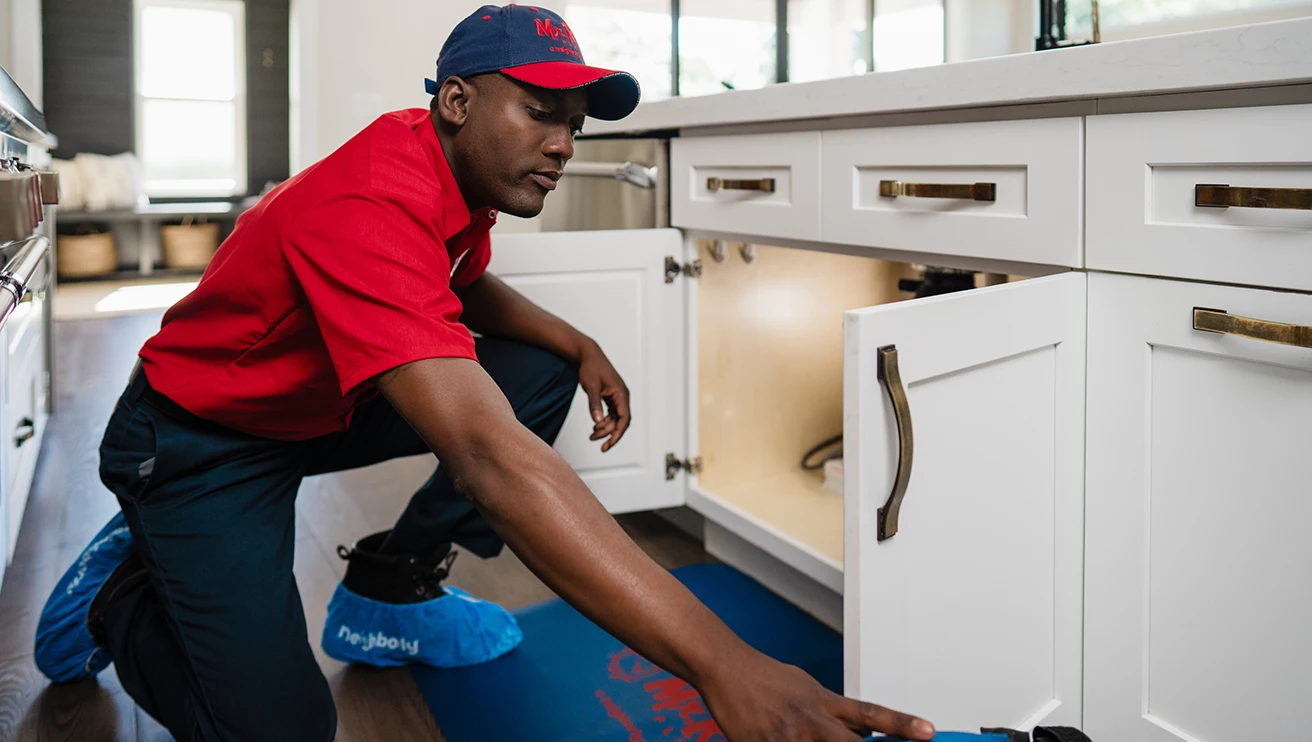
610,184
27,231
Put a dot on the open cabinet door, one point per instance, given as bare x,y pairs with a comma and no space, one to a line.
963,605
611,286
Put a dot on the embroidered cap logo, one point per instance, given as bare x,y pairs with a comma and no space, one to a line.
561,34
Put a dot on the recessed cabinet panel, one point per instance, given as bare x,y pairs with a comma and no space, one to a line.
1198,505
1001,190
611,286
765,185
964,442
1215,195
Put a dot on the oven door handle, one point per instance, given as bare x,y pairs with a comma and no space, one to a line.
18,272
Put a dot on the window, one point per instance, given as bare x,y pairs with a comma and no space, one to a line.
191,97
711,46
726,45
827,38
634,38
1123,13
908,33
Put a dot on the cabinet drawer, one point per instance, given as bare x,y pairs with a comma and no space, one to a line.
1014,189
1145,173
717,184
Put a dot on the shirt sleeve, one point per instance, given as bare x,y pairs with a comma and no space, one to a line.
473,264
378,282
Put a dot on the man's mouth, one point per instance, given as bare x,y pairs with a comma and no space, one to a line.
546,178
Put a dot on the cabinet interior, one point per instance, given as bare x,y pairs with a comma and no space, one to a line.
770,377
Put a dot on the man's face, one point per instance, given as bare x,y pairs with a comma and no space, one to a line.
510,140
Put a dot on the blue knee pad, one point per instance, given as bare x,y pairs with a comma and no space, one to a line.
454,630
65,650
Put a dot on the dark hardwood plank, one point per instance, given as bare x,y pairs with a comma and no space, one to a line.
31,710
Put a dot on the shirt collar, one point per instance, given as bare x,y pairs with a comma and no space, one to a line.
456,216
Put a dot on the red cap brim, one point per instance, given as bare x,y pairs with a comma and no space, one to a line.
612,94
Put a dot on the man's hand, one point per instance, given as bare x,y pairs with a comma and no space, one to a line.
493,308
603,383
760,700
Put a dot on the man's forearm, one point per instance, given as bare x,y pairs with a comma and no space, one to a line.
549,518
493,308
565,536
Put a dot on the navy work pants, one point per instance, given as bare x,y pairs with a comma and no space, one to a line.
214,645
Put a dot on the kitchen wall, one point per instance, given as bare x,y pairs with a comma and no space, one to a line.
350,65
20,45
988,28
89,88
88,67
6,34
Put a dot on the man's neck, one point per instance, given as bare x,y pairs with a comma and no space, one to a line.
448,143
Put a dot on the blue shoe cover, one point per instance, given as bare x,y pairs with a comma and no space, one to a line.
65,651
454,630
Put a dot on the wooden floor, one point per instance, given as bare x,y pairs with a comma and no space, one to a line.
68,505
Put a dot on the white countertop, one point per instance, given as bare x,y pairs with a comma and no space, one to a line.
1277,53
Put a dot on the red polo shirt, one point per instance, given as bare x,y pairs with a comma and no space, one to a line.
339,274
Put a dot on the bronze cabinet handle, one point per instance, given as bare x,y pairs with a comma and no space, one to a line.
1224,323
49,182
727,184
967,191
897,394
1224,196
26,431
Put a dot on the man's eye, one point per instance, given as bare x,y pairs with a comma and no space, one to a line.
538,114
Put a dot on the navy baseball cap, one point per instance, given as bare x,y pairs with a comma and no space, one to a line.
535,46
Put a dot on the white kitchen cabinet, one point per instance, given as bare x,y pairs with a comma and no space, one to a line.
1102,508
612,286
24,411
964,481
972,612
1198,501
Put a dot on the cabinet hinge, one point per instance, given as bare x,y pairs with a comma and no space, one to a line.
673,464
673,268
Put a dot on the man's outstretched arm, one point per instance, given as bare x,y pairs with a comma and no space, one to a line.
545,513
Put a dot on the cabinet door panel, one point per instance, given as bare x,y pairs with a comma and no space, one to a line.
611,285
1198,505
970,613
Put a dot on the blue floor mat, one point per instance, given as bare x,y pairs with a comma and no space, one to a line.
569,680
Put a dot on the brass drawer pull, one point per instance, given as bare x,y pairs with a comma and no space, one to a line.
1223,196
1219,321
968,191
892,381
726,184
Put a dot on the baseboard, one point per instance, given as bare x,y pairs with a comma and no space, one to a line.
790,584
687,520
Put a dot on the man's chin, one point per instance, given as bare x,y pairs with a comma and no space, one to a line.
525,208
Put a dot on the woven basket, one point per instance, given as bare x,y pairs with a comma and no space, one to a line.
80,255
189,245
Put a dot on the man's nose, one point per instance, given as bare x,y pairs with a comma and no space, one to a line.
560,144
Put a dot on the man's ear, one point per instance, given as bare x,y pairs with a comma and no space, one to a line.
453,100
